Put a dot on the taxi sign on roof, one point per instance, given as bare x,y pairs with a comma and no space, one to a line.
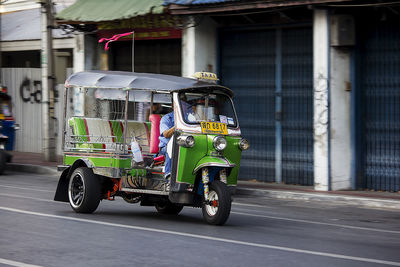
206,76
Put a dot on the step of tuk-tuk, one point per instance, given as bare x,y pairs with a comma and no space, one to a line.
145,191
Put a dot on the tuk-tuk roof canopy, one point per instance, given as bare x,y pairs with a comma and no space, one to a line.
139,81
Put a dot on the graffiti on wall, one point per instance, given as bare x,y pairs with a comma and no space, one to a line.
320,105
31,91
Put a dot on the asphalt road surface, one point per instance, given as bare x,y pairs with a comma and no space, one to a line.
37,231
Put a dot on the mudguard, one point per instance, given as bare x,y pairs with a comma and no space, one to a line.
62,187
210,161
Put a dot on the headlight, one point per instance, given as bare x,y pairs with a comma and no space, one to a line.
185,140
244,144
219,143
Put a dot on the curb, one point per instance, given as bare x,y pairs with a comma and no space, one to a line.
37,169
337,199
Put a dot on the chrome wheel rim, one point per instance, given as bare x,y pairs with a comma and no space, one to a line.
212,206
76,190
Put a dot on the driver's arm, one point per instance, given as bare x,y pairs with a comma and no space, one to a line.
168,133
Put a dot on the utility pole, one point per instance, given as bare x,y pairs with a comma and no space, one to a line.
133,51
47,65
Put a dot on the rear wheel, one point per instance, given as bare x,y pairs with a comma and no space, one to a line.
218,207
84,191
168,208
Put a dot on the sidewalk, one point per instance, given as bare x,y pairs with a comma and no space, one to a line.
34,163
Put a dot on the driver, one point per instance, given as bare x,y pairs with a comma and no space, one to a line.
167,129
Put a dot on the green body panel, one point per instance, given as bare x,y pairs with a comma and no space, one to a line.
100,161
108,160
188,158
79,128
117,127
117,131
148,125
78,124
233,154
138,172
204,153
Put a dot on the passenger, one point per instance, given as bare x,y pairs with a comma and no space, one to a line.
155,109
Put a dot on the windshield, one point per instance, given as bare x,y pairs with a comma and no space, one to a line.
197,107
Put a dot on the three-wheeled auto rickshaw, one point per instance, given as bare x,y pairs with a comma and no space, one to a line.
111,143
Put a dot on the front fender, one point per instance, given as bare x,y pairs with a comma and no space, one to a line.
210,161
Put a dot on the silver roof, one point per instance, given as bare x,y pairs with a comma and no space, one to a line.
141,81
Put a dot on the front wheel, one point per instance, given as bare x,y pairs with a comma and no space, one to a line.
84,191
218,207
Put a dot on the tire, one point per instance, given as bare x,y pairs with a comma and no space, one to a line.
168,208
84,191
217,211
3,161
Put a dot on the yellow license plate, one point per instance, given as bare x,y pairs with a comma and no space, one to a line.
214,128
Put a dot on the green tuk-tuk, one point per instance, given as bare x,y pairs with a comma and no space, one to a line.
111,142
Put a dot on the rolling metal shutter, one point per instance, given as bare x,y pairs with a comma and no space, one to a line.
380,85
270,72
153,56
297,94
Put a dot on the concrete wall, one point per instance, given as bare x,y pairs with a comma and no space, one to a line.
199,47
340,130
93,53
332,110
28,112
321,104
79,53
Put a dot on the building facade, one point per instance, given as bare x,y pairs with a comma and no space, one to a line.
21,73
317,86
155,45
317,82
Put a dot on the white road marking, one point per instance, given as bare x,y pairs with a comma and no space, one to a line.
248,205
319,223
16,263
245,214
26,188
224,240
31,198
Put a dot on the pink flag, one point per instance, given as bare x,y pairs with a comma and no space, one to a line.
114,38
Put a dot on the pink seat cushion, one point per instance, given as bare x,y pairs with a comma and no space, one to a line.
155,132
160,158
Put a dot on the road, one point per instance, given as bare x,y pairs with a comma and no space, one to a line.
36,231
